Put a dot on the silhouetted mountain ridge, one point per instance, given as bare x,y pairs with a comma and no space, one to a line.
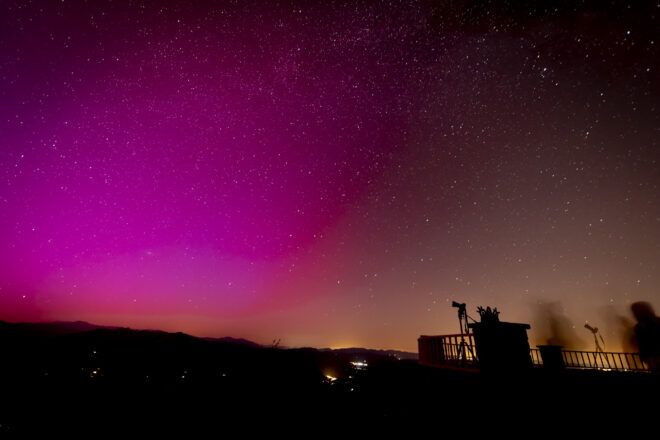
55,328
61,328
232,340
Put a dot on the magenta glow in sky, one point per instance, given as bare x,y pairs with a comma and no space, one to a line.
325,172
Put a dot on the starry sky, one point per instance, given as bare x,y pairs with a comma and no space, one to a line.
330,173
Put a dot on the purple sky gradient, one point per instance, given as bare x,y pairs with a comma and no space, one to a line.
328,173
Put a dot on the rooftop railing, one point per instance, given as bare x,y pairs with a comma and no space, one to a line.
458,351
450,351
610,361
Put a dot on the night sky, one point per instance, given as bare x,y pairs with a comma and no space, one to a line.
330,173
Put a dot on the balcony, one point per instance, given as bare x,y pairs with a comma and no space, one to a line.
460,352
448,351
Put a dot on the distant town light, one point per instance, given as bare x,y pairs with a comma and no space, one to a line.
360,365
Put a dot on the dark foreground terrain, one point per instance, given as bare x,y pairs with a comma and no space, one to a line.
73,379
